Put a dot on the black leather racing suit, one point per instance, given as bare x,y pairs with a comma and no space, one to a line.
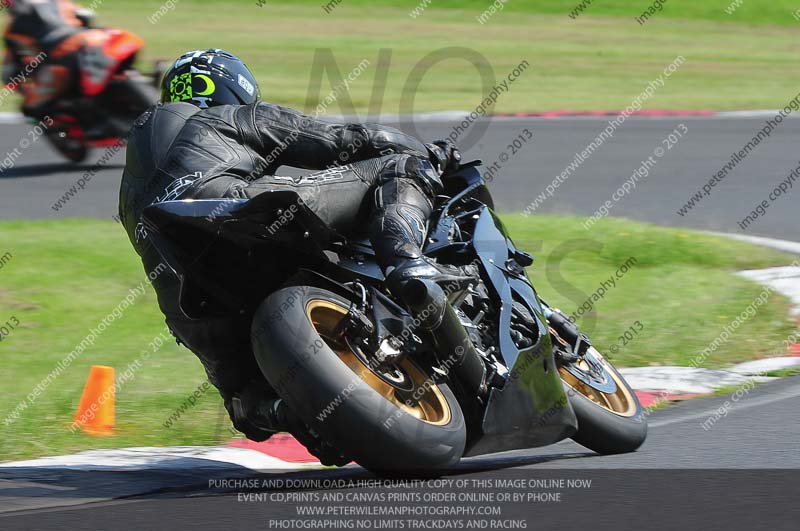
179,151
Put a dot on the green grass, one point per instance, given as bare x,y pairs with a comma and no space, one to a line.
679,289
63,279
784,373
750,12
601,60
67,275
726,390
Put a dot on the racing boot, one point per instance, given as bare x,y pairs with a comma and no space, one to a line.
327,454
398,229
259,415
256,412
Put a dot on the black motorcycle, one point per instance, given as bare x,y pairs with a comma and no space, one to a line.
452,371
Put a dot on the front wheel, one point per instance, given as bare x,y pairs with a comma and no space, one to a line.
610,417
396,419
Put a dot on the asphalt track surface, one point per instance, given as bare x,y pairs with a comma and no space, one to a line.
674,481
39,178
760,432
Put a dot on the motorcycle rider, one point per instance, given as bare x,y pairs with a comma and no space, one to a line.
42,28
211,138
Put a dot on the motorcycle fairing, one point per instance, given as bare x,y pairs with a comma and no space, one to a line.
531,409
100,53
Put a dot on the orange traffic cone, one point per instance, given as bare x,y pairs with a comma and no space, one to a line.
96,411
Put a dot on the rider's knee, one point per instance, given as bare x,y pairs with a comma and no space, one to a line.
419,170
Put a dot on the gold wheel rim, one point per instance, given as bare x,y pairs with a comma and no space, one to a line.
430,406
621,402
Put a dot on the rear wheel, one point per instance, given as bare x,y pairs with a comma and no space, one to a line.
75,150
610,417
395,419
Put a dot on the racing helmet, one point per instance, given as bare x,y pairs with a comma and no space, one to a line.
207,78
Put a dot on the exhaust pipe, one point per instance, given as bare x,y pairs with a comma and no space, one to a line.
429,303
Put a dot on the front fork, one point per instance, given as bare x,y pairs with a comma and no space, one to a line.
567,334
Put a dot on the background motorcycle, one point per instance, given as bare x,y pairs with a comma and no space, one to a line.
107,93
455,371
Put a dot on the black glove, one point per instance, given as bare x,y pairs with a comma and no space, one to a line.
444,155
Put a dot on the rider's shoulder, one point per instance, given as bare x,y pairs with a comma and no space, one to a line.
163,117
180,110
222,112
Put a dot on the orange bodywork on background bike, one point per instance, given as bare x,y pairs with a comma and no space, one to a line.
116,45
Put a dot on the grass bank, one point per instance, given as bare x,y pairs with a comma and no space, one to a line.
64,277
601,59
